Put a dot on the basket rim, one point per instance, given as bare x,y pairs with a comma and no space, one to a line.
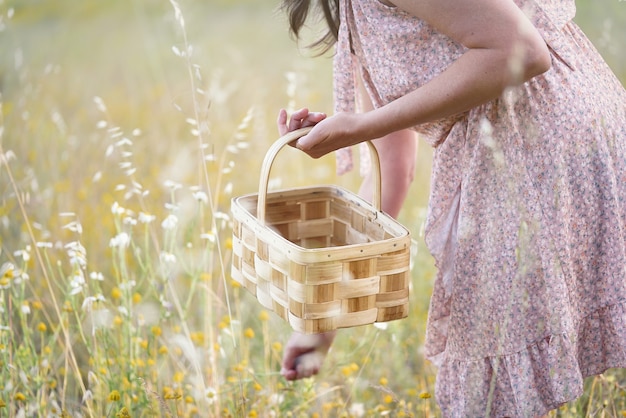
312,255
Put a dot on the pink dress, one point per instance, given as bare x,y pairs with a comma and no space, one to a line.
527,212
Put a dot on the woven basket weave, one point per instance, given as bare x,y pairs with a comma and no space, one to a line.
320,257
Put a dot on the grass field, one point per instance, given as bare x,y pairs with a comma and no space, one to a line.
126,127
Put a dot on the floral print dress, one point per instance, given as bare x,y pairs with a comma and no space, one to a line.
527,212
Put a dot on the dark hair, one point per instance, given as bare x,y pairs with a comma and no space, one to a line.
298,12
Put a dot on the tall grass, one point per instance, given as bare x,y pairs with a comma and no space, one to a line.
125,129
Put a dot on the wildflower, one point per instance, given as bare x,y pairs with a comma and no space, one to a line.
228,244
357,410
123,413
210,394
2,404
37,305
136,298
67,307
25,308
188,399
277,346
7,272
198,338
156,331
121,241
114,396
209,236
96,276
90,300
116,293
19,396
146,218
206,277
388,399
201,196
25,253
77,282
163,350
170,222
169,393
117,320
167,258
381,325
264,316
178,377
383,381
42,327
172,185
425,395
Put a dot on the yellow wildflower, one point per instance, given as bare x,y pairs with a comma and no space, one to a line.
163,350
249,333
228,243
116,293
264,316
197,338
277,346
42,327
188,399
36,305
2,404
19,396
253,414
123,413
235,284
178,377
136,298
172,394
114,396
117,320
383,381
388,399
425,395
156,331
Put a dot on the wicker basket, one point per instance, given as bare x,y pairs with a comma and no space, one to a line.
320,257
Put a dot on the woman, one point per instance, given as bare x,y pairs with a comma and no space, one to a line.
527,212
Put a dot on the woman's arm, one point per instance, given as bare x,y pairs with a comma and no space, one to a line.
503,49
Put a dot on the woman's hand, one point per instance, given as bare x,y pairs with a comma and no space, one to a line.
304,354
299,119
329,133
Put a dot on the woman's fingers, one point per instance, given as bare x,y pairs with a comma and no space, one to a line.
301,118
281,122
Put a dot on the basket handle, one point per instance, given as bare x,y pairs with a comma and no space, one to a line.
290,137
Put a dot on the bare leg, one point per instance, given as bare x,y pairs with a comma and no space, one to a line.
397,152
